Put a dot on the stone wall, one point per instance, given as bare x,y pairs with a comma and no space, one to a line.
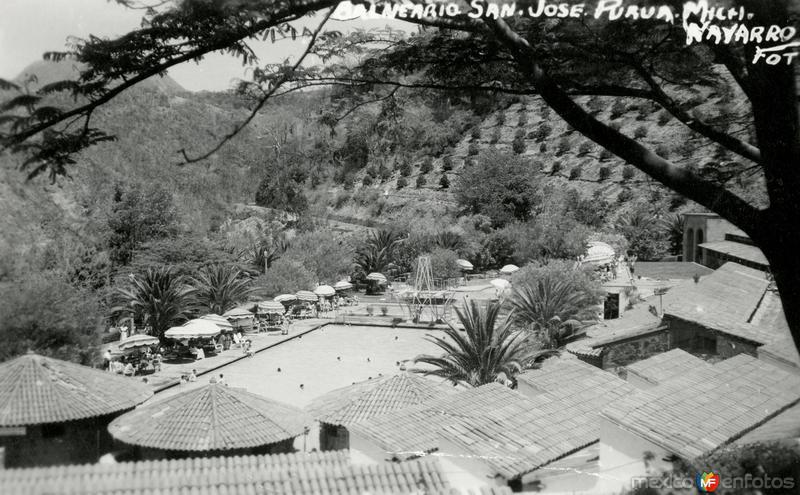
629,351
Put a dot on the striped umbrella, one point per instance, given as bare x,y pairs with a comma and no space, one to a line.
239,313
270,307
306,295
137,341
343,285
218,320
509,269
377,277
285,298
193,329
464,265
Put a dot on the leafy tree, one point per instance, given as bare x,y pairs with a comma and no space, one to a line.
499,185
283,190
427,165
646,240
46,314
628,172
367,180
603,174
519,55
485,351
518,145
324,253
284,277
420,181
444,182
159,299
473,149
219,288
640,132
443,263
186,254
447,163
405,169
576,172
402,182
476,133
139,215
554,303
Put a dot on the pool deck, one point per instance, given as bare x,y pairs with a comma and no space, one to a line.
171,372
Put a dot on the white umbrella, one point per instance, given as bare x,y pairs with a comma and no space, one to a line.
239,313
285,298
509,269
306,295
599,253
464,265
500,283
136,341
343,285
377,277
193,329
270,307
218,320
325,291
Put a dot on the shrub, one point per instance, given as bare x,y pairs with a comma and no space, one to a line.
628,172
370,310
595,105
543,148
556,168
605,155
664,117
402,182
640,132
476,133
576,172
617,110
541,133
663,151
644,112
518,145
495,136
444,182
473,149
584,148
624,196
501,118
384,173
384,310
405,169
615,125
523,120
563,147
396,321
367,180
372,172
604,174
427,163
447,163
341,198
420,181
545,112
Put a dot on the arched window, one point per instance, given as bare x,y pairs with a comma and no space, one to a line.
689,245
698,253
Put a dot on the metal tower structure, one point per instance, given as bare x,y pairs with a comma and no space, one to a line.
424,300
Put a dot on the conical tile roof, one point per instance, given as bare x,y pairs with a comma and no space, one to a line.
214,417
367,399
36,390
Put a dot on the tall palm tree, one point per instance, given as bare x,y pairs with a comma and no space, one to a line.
673,225
220,288
264,253
377,251
160,299
552,309
484,352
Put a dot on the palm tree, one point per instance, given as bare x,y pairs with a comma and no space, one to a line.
377,251
673,225
220,288
484,352
159,299
263,254
552,309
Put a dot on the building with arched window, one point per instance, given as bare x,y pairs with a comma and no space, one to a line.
712,241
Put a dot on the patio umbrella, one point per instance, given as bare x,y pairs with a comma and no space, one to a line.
270,307
137,341
193,329
239,313
325,291
599,253
509,269
306,295
218,320
500,283
343,285
377,277
285,298
464,265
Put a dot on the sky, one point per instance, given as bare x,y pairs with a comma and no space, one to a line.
28,28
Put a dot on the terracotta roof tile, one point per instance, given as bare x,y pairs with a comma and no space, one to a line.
370,398
662,367
671,270
214,417
295,474
737,249
511,433
701,409
35,390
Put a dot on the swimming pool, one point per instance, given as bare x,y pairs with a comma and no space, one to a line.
331,357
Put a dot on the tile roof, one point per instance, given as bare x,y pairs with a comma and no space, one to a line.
779,343
214,417
372,398
661,367
784,426
35,390
510,433
671,270
295,474
738,250
724,301
708,406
